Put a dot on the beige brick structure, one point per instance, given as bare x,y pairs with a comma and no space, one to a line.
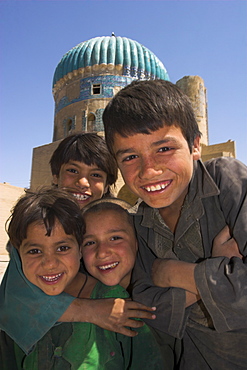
8,196
41,174
227,149
193,87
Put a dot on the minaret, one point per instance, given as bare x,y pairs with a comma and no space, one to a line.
193,87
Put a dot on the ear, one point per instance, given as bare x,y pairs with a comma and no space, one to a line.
196,149
55,179
106,189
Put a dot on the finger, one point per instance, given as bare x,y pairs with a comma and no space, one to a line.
128,332
132,305
142,314
134,324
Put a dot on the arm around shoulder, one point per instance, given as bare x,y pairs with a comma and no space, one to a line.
114,314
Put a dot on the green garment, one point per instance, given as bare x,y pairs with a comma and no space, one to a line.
37,311
87,346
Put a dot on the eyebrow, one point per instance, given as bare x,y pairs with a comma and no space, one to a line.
124,151
168,139
29,244
108,232
73,163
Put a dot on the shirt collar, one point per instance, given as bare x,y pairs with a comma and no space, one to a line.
201,185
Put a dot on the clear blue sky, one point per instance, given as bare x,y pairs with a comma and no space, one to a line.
205,38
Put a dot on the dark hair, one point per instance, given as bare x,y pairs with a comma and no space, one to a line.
112,204
88,148
45,206
146,106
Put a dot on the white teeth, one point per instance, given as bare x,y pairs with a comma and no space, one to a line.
81,196
110,266
155,187
51,278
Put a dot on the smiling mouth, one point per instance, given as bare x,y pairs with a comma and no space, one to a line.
51,279
78,196
81,196
157,187
108,267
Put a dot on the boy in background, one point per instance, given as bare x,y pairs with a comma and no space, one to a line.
83,166
184,204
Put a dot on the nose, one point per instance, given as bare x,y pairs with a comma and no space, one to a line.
83,182
50,262
102,250
149,169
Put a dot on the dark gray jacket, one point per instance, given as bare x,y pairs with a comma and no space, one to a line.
217,323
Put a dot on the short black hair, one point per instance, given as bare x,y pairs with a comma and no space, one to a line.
88,148
45,206
146,106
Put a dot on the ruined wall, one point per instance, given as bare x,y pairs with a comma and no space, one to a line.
227,149
41,173
8,197
193,87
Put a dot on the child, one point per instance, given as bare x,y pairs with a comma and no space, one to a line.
109,250
151,130
47,228
83,166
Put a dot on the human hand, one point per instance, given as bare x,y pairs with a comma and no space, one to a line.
116,314
225,246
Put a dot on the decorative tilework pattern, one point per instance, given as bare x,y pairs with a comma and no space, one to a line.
65,125
99,122
84,122
108,82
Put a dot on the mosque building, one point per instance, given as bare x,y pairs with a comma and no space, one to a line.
90,74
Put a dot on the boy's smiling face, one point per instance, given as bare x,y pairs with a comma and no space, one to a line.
50,262
86,183
157,167
109,247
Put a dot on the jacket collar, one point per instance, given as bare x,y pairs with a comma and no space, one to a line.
201,185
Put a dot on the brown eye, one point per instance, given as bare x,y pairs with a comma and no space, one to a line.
34,251
89,243
63,248
129,158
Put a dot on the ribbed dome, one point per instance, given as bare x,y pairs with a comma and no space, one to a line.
135,59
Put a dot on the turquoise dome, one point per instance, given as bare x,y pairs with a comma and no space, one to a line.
134,59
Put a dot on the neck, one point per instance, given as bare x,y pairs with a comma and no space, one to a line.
76,284
171,214
125,282
170,219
